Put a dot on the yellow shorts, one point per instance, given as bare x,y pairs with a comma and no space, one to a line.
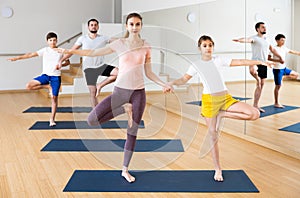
211,105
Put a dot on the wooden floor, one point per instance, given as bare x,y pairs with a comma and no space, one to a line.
25,171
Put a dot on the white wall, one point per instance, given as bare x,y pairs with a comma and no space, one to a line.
25,32
296,24
146,6
296,45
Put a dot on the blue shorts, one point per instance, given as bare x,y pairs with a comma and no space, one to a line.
279,73
54,82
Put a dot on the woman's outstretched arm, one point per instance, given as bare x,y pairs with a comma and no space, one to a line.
87,52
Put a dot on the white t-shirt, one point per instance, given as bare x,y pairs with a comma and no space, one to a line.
87,43
209,73
282,51
260,48
50,60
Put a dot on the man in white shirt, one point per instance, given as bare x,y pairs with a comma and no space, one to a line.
94,67
260,49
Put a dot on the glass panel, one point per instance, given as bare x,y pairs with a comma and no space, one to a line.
278,16
174,34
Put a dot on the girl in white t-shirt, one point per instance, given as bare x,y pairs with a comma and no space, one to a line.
216,101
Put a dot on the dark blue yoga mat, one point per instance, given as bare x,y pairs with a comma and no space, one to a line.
292,128
235,181
199,103
59,110
271,110
114,124
114,145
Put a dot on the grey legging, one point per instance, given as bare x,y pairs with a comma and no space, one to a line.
112,106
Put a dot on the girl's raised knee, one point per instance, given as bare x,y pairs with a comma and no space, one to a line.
255,114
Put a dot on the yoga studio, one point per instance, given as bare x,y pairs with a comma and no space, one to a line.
160,98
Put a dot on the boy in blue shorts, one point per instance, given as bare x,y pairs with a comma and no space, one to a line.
280,69
50,77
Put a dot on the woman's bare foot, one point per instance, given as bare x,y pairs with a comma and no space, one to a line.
278,105
52,123
128,110
127,176
218,175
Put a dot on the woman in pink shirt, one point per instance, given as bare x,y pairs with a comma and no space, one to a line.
129,91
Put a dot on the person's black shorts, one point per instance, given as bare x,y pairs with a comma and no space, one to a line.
92,74
262,71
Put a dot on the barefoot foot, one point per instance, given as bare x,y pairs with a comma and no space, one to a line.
218,176
278,106
52,123
128,177
128,110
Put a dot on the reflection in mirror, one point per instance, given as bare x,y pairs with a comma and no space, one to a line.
278,19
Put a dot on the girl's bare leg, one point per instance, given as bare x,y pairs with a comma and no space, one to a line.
213,133
240,111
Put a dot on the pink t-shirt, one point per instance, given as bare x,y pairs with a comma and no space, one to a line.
131,64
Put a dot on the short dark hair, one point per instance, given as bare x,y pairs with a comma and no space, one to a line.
51,35
279,36
93,20
257,25
205,38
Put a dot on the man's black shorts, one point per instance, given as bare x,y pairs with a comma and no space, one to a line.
262,71
92,74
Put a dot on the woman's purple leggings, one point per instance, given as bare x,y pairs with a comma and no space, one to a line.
112,106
